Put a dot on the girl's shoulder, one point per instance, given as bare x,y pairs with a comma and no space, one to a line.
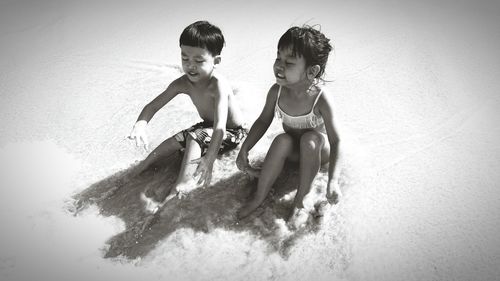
273,91
272,95
325,100
274,88
323,89
325,94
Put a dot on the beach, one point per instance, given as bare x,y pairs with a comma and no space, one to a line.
415,92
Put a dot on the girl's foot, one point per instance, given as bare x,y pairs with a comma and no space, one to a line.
334,195
299,218
246,210
322,208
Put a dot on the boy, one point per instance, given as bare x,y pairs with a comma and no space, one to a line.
201,44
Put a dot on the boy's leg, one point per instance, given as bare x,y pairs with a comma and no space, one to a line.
314,151
191,152
166,148
280,150
152,195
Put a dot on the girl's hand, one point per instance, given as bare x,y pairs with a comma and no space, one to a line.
244,165
333,192
204,170
138,134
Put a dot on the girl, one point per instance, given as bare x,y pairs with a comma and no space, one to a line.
305,109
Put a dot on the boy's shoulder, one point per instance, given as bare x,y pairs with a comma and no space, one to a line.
219,79
179,85
184,85
217,85
220,84
180,82
215,81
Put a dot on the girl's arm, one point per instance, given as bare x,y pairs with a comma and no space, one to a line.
326,111
258,128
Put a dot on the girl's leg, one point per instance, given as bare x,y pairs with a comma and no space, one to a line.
279,151
314,151
166,148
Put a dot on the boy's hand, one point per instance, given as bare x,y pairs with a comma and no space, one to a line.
204,170
333,192
138,134
244,165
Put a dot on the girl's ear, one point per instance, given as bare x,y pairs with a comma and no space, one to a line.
313,71
217,59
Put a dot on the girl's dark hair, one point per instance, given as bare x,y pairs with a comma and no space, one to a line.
204,35
309,43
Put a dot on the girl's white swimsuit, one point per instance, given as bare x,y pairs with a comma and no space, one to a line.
306,121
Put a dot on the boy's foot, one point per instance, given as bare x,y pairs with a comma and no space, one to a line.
299,218
149,203
153,206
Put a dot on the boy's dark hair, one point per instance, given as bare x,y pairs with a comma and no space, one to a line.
204,35
309,43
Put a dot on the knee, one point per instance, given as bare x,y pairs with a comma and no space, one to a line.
311,142
189,138
283,142
283,139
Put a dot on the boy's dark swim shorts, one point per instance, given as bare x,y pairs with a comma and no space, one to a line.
202,132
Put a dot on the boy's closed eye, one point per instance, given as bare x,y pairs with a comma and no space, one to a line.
197,60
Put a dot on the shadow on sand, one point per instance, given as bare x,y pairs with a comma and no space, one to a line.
202,210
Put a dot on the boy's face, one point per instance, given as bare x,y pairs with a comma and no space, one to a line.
197,63
289,69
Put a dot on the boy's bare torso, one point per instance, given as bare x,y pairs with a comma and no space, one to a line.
204,95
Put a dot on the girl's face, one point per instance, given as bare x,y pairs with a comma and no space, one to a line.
289,70
197,63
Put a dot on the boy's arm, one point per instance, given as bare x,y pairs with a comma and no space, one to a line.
138,132
205,164
222,90
161,100
257,130
326,111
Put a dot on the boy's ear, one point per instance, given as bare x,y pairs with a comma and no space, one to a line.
313,71
217,59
